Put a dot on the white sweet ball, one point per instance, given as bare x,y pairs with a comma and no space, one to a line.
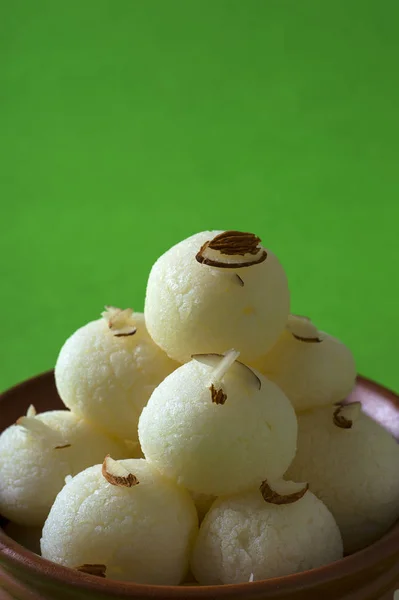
107,370
353,470
218,429
37,455
244,538
310,366
193,307
142,533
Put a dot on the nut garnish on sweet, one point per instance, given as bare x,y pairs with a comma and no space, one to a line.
308,340
221,363
37,427
96,569
218,395
303,329
230,244
219,371
273,497
116,474
215,360
31,412
235,242
345,415
119,321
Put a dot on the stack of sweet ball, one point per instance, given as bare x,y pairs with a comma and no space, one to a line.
207,440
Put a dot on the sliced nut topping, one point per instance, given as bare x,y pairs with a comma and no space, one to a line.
214,360
345,415
240,280
232,244
119,321
31,412
62,446
97,570
235,242
307,340
301,317
116,474
251,578
223,365
273,497
218,395
39,428
303,329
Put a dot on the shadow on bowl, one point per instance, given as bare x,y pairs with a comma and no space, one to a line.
372,573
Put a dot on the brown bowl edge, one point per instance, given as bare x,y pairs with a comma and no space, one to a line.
14,555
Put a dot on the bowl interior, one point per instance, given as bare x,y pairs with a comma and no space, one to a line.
378,402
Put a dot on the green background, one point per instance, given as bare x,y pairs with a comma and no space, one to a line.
128,125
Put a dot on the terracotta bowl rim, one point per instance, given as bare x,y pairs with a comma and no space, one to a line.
13,555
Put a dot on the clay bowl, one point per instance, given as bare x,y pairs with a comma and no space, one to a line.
369,574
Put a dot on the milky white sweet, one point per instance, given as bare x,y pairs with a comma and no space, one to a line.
236,297
36,455
141,532
245,538
353,470
310,366
107,370
217,427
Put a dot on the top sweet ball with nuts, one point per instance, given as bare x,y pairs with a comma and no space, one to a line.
217,290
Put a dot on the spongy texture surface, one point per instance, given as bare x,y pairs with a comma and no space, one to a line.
311,374
193,308
354,471
32,470
142,533
244,535
218,448
108,379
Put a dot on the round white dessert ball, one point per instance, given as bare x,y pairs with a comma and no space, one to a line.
246,538
352,464
36,456
310,366
218,429
107,370
126,519
236,297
